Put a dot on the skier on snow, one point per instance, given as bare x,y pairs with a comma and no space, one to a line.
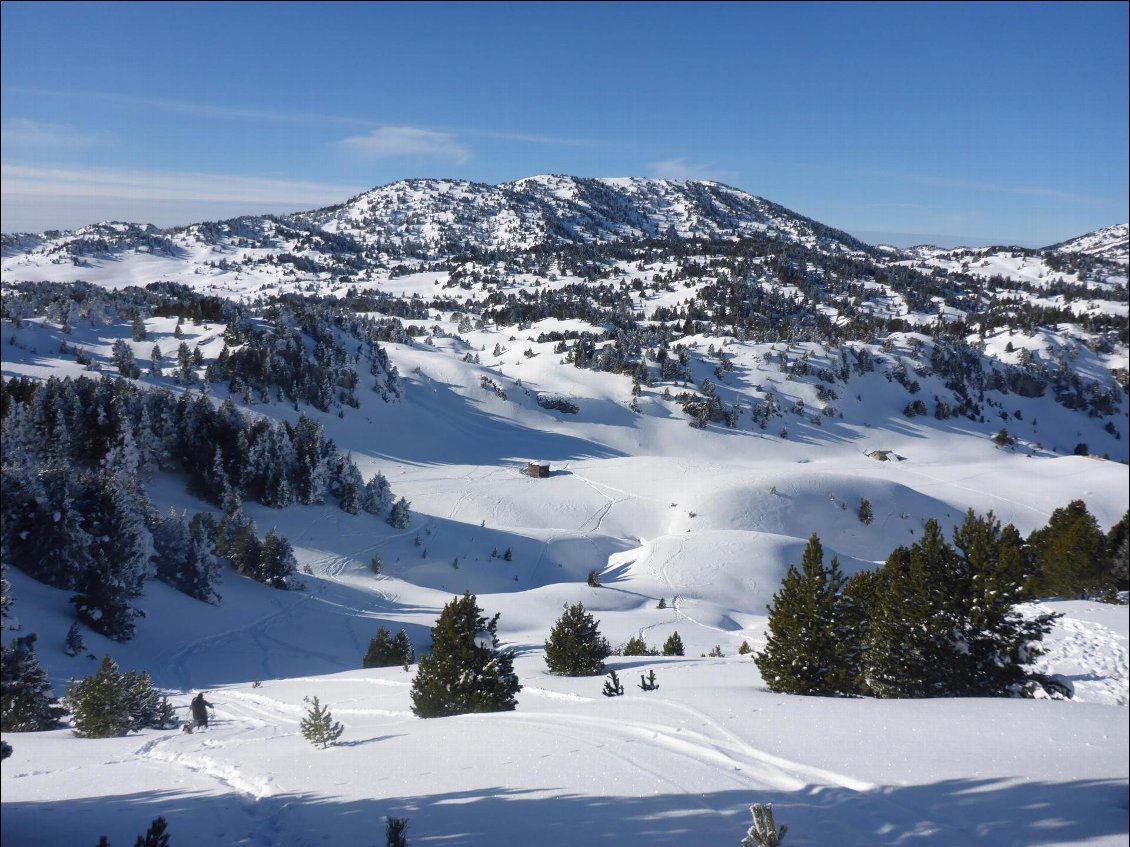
199,712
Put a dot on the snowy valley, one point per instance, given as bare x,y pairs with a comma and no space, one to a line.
711,379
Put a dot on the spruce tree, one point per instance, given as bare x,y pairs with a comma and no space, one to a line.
26,701
575,646
319,727
465,671
810,649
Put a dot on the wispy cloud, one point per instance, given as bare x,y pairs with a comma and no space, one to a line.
106,183
985,187
37,135
682,169
389,141
535,139
206,110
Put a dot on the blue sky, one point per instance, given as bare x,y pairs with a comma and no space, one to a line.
951,123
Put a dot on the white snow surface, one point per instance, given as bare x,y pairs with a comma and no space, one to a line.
708,521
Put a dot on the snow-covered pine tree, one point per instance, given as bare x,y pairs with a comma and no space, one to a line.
276,561
42,531
7,619
377,496
813,640
26,701
400,515
120,552
319,727
346,484
575,646
74,644
465,671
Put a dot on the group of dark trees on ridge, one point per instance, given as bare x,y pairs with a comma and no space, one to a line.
75,514
938,619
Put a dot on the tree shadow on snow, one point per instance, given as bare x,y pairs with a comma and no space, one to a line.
949,813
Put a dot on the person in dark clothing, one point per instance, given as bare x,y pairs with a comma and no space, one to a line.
200,708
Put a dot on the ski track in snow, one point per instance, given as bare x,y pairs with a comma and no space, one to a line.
1100,655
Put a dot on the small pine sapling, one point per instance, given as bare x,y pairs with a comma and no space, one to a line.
156,836
716,652
319,727
866,515
75,643
662,604
745,649
376,565
396,833
594,579
612,686
648,683
763,832
508,556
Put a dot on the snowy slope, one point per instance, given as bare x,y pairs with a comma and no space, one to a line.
1111,243
706,520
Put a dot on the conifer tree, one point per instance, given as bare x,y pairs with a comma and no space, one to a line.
396,832
99,703
810,649
385,651
319,727
1069,555
377,496
910,651
612,685
575,646
673,646
276,561
636,646
156,836
120,552
400,515
465,672
26,701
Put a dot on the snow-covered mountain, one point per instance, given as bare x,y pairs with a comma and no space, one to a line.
1111,243
448,215
705,407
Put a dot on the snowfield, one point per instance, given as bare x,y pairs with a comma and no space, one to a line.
705,520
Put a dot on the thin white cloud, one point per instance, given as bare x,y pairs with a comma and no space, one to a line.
989,187
389,141
682,169
37,135
534,139
41,198
105,183
205,110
